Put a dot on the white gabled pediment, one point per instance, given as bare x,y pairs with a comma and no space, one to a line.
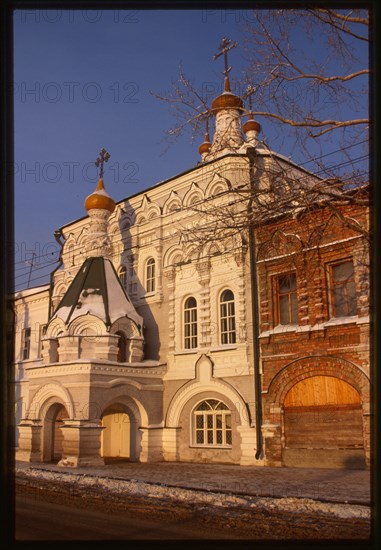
70,241
153,211
173,199
217,185
82,237
194,194
145,204
125,222
116,215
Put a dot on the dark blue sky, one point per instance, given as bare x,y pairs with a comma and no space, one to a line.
83,82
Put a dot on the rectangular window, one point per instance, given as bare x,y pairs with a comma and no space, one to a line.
190,329
26,334
150,275
227,318
41,336
287,300
343,289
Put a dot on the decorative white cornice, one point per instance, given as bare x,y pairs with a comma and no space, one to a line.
86,367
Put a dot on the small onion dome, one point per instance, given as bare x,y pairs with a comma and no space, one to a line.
100,199
227,100
251,125
205,147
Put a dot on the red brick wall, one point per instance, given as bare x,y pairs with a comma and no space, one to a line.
307,245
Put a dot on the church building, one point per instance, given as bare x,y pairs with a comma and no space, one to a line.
171,332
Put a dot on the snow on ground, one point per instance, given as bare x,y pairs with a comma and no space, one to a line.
119,487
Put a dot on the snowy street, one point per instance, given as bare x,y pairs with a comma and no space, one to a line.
173,511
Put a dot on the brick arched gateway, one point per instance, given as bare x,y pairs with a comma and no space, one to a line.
304,436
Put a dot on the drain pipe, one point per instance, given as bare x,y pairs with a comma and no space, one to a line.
57,235
255,311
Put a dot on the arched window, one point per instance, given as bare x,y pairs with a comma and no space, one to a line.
123,276
121,358
212,425
150,275
227,318
190,323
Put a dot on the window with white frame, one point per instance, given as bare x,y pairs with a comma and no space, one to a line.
212,424
227,318
123,276
190,323
25,342
343,289
150,275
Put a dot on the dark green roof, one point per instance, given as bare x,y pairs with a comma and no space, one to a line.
96,290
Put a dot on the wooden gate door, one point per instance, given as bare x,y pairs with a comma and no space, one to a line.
323,424
116,434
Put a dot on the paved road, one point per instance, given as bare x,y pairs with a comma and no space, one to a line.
39,520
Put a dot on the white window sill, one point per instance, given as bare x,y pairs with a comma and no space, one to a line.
341,320
186,351
151,297
148,295
224,347
211,447
335,321
279,329
28,361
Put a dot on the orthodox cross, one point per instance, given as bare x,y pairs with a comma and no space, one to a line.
225,46
249,94
103,157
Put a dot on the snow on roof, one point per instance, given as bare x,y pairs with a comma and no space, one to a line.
96,290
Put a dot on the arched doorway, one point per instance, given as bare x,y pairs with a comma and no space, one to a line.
323,424
53,433
119,434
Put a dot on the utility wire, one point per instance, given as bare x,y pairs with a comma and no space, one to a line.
185,208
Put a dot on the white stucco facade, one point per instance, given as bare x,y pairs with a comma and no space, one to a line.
142,348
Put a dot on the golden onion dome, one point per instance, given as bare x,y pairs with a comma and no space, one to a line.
227,100
205,147
251,125
100,199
